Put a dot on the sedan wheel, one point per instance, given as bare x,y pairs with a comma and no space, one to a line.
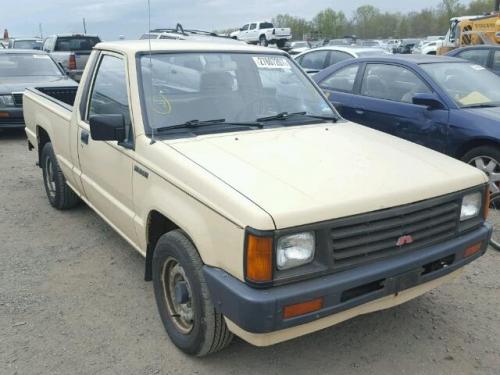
491,167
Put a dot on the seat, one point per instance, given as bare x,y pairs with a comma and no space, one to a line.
218,97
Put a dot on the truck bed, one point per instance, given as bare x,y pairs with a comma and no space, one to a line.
65,95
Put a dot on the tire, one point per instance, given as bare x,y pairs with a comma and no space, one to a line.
263,41
494,219
486,154
280,43
59,194
194,325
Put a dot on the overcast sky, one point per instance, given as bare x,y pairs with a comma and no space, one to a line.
112,18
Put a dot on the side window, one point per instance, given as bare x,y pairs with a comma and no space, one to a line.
338,56
478,56
391,82
253,26
496,61
109,94
244,28
314,60
342,80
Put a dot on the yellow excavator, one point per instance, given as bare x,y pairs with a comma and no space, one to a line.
472,30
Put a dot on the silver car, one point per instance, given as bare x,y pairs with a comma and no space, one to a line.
317,59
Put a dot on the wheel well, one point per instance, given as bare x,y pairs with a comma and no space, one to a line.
157,226
262,35
465,148
43,138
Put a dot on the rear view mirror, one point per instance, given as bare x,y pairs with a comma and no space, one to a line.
431,101
107,127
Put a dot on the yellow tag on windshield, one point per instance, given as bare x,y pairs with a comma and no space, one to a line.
474,98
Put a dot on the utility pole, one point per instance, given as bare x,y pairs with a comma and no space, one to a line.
40,29
84,26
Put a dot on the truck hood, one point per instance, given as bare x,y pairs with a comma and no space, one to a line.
19,84
312,173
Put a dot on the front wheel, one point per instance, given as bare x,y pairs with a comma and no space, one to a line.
183,299
494,219
263,41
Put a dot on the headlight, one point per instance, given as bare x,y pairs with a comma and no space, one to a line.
295,250
471,205
7,101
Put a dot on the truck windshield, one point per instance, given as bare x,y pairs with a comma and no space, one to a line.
469,85
27,64
236,87
76,43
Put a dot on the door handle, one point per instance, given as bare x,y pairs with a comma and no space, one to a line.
359,112
84,137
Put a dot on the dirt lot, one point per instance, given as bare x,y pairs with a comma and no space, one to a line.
73,301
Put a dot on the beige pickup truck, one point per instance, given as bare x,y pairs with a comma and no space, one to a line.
259,211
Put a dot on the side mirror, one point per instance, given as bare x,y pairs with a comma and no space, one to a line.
107,127
431,101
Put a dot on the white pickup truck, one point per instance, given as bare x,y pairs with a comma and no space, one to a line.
263,33
259,211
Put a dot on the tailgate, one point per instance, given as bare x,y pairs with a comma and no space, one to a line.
81,58
282,31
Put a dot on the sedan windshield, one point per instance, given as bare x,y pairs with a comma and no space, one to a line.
27,64
237,87
469,85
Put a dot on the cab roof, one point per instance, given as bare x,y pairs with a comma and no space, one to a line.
132,47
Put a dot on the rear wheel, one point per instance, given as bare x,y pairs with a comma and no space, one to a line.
263,41
280,43
183,299
487,159
59,194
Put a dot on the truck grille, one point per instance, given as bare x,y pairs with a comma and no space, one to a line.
375,235
18,99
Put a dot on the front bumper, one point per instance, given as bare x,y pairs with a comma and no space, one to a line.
11,118
261,310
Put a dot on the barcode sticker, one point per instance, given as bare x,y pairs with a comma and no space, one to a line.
271,62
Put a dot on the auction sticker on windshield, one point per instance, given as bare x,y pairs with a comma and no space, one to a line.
271,62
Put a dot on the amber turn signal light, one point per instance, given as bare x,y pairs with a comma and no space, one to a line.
471,250
259,258
4,114
303,308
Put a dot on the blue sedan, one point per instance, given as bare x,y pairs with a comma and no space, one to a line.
447,104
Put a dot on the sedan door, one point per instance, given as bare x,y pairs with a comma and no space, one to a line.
339,88
385,103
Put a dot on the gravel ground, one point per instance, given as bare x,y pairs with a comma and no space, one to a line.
73,301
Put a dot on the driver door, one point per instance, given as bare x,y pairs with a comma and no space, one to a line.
106,166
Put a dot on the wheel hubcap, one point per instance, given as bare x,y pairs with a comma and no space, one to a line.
492,169
50,182
178,295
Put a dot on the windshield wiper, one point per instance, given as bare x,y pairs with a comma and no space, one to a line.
286,115
198,124
482,105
